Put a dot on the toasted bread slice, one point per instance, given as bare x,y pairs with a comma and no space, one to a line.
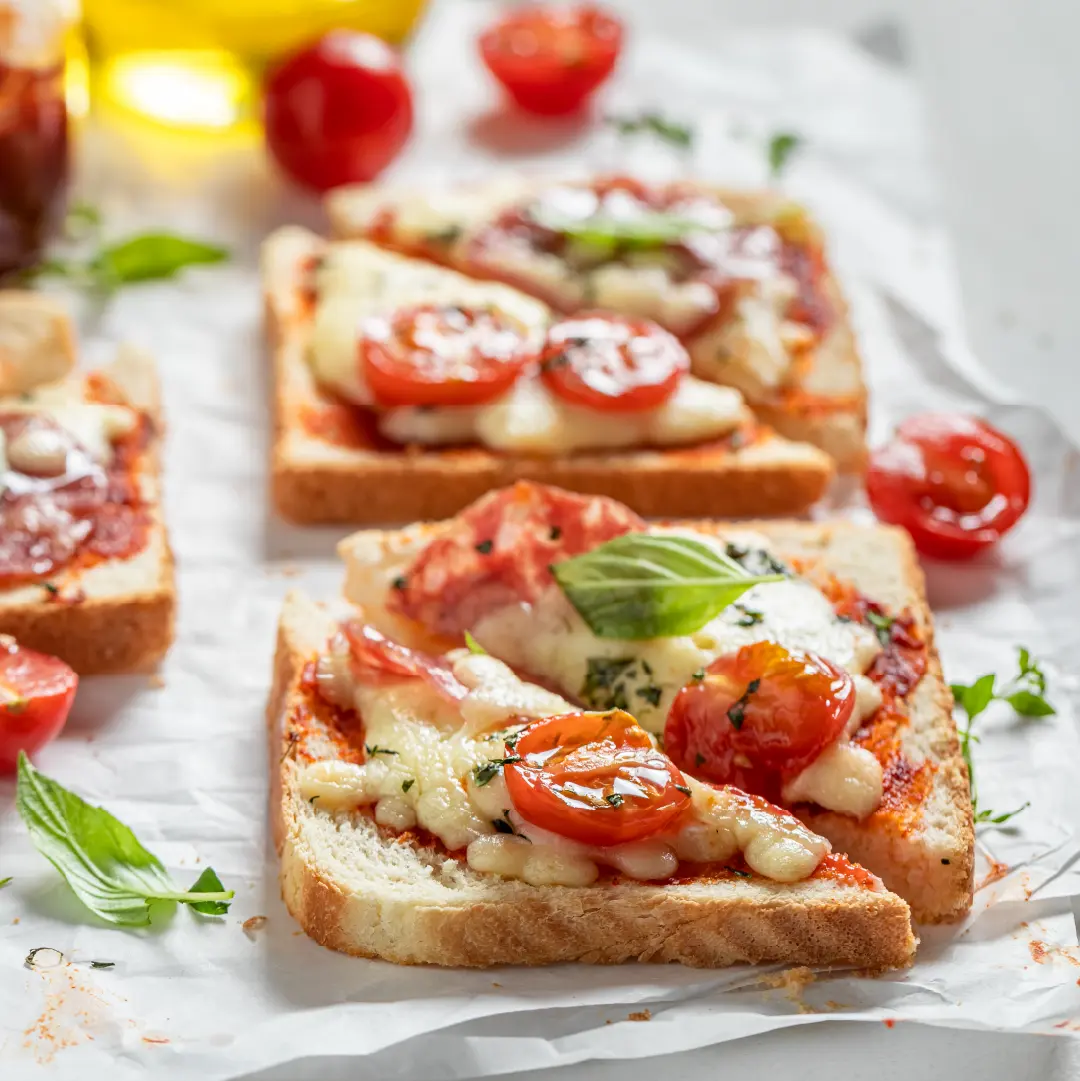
364,890
115,615
923,850
817,396
359,477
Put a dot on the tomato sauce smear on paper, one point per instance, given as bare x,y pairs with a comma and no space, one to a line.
498,552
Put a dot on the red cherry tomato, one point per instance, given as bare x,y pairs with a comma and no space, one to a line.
758,716
953,482
339,111
550,58
612,362
441,355
377,658
596,778
36,692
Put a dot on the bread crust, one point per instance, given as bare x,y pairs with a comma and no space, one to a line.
119,615
479,920
827,403
930,861
316,482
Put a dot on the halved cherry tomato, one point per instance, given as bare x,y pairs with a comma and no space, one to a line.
36,692
338,111
596,778
758,716
612,362
441,355
550,58
377,657
953,482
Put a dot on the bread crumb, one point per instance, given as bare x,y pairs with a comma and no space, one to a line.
253,924
288,570
496,984
640,1015
155,681
16,920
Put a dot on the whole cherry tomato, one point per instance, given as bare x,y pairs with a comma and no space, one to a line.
612,362
441,355
758,716
953,482
550,58
36,692
339,111
596,778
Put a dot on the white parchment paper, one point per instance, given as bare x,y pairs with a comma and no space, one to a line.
182,757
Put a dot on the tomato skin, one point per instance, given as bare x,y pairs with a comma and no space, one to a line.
758,716
441,355
550,58
574,768
45,687
956,484
339,111
612,363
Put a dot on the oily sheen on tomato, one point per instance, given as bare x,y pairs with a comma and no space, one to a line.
612,362
550,58
441,355
339,111
955,483
758,716
36,692
596,778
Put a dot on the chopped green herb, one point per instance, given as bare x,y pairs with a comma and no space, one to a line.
739,874
445,236
6,881
737,712
614,798
699,759
605,682
781,146
407,784
502,826
677,134
473,644
748,617
651,693
103,964
489,770
699,675
882,624
373,749
400,582
50,588
556,533
484,547
682,788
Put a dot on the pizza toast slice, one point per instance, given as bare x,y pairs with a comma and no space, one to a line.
819,687
86,573
741,277
427,446
399,837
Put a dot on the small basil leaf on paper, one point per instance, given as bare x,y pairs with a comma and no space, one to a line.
98,856
152,257
670,131
644,585
208,882
781,146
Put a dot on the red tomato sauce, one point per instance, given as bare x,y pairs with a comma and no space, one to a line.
93,512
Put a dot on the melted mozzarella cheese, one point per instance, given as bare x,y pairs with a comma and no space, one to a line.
423,754
359,282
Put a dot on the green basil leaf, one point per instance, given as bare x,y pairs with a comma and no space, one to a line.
974,699
473,644
208,882
601,230
97,855
998,819
6,881
1029,704
677,134
781,146
644,585
152,257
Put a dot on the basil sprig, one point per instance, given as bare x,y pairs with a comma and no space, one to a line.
101,859
645,585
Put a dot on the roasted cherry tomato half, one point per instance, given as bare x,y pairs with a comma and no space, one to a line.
36,692
596,778
549,57
376,658
953,482
339,111
758,716
612,362
441,355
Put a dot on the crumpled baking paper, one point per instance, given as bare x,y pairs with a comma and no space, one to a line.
181,757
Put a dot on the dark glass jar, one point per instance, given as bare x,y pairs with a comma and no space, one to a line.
33,130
